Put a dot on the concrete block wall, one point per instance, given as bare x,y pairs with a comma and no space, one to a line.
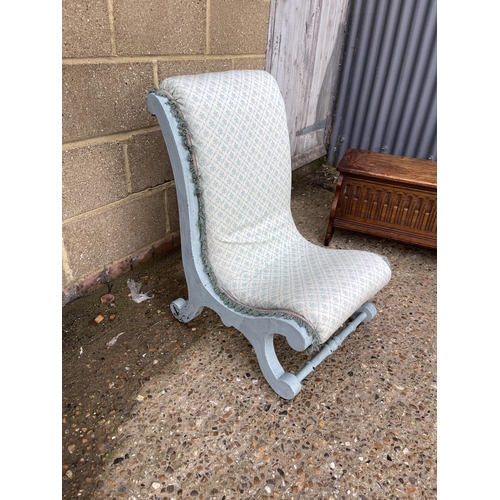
119,206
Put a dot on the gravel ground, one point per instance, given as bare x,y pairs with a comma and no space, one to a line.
178,411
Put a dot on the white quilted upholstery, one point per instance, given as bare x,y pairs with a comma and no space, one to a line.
237,125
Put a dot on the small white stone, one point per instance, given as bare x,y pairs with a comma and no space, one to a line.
268,490
155,486
332,465
140,398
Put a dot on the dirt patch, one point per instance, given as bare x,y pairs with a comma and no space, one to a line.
325,177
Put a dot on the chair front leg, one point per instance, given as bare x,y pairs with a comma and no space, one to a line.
285,384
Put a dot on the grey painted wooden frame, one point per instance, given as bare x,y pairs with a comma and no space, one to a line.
259,330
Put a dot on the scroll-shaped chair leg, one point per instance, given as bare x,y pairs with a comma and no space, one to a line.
184,310
285,384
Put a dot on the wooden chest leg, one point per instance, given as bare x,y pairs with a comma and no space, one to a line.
329,229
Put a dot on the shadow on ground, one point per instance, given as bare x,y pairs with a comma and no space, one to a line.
173,410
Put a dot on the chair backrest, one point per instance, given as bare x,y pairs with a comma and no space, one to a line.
238,133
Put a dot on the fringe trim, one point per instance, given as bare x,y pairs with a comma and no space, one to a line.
225,297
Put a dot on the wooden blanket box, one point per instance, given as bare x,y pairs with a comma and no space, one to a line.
385,195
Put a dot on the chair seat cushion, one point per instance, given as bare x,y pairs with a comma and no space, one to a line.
235,126
323,286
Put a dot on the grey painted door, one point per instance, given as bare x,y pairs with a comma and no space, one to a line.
305,42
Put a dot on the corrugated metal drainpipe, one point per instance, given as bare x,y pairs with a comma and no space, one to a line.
352,26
